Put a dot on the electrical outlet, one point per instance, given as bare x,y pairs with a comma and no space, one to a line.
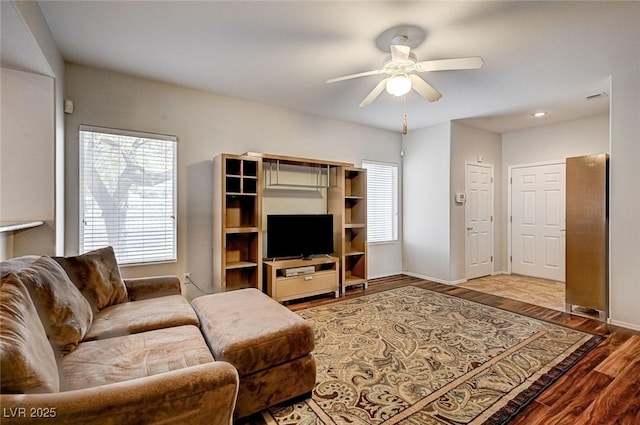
187,276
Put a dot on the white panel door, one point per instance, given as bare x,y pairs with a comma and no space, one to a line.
538,221
479,220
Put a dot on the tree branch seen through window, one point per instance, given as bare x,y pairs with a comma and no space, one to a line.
127,192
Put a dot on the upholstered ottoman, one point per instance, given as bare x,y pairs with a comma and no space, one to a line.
269,345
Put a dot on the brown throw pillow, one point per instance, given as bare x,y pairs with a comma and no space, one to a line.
26,358
97,276
65,313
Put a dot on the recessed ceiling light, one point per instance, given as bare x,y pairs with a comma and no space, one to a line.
539,114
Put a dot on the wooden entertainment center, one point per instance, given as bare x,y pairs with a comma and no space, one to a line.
238,187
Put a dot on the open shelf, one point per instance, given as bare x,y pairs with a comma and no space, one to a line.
241,211
241,248
240,265
355,240
355,183
355,270
241,278
355,225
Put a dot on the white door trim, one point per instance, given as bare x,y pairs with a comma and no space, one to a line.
492,225
510,168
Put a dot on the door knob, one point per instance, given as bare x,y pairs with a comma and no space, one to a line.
470,228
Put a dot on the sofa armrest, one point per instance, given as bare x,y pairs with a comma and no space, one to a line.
151,287
203,394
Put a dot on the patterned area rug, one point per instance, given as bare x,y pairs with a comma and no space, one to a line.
413,356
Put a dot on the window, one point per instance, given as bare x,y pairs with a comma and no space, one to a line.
128,194
382,201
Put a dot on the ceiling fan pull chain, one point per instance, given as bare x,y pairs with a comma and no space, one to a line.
405,129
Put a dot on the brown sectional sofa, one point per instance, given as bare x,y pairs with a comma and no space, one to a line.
100,350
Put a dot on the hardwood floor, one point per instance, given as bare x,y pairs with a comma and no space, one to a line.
602,388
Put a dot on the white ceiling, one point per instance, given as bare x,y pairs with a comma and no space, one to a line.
538,55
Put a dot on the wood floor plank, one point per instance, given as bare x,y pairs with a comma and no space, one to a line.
576,399
531,414
621,357
621,395
556,394
630,417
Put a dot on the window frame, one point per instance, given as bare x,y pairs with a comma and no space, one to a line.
83,190
395,195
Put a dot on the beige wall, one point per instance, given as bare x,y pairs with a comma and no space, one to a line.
425,202
206,125
624,200
26,166
583,136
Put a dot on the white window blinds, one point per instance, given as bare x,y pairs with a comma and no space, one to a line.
128,194
382,201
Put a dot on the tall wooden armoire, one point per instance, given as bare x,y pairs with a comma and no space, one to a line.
587,259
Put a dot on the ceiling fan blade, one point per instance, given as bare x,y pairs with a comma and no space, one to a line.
361,74
373,95
424,89
474,62
399,52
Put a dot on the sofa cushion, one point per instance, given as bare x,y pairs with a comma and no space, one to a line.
65,313
128,357
142,288
97,275
17,264
26,357
140,316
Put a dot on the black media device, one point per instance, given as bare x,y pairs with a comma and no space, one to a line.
299,235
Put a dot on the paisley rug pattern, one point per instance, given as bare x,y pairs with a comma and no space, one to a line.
414,356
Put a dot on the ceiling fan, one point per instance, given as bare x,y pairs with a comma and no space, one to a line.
402,68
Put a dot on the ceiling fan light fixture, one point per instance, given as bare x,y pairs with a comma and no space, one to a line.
398,84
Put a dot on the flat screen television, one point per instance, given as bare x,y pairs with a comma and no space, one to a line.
299,235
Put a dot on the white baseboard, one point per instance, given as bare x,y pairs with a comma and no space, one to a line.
633,326
384,275
435,279
457,282
497,273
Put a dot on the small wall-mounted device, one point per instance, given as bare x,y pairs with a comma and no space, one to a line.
460,197
68,106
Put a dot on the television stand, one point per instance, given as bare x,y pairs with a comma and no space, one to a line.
323,280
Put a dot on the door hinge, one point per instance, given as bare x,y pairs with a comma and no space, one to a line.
510,180
491,179
510,219
492,258
511,258
492,219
